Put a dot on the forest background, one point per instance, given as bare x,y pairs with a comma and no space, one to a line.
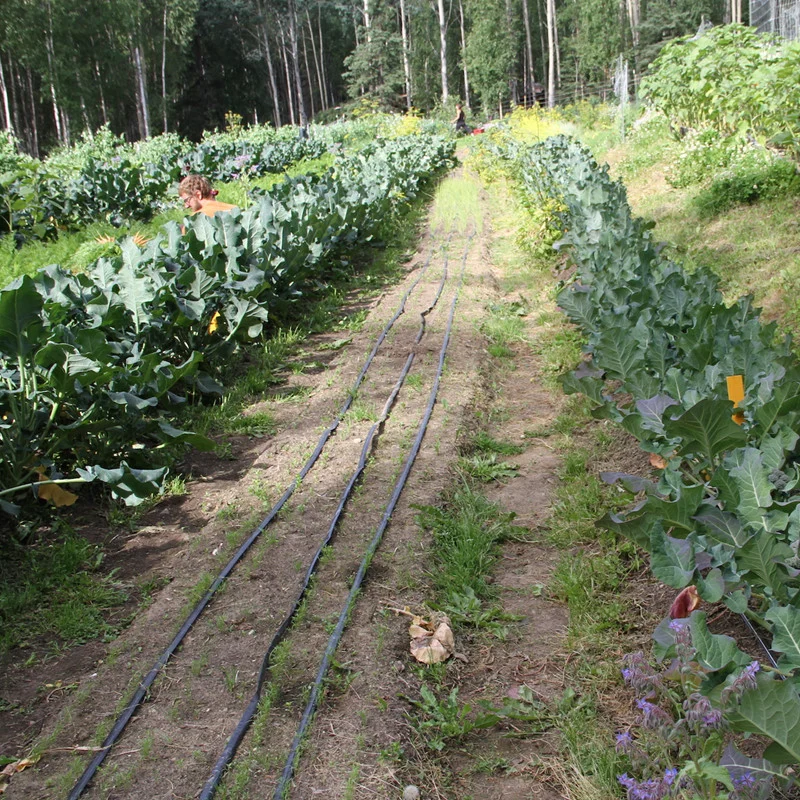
144,67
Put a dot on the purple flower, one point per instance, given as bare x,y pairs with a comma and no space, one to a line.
624,742
744,681
653,716
638,673
683,638
651,789
701,715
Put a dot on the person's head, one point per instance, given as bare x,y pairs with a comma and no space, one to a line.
193,189
458,106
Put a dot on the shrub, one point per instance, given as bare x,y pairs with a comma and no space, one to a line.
752,178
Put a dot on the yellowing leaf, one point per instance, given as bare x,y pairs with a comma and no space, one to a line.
214,324
53,493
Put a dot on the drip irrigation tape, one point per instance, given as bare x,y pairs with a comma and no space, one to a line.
141,692
763,644
333,642
232,745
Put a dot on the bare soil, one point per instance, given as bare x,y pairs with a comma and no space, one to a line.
360,744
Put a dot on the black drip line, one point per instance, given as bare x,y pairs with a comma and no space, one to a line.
244,723
139,696
288,771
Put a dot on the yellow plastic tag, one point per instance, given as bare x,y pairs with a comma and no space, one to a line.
736,395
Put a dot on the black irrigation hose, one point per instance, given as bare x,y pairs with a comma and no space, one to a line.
763,644
147,682
333,642
235,739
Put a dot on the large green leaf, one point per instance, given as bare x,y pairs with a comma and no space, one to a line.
618,353
128,484
785,633
21,328
739,766
672,560
755,490
723,526
773,710
677,514
759,557
706,429
715,651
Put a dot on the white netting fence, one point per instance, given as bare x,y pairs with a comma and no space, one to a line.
776,16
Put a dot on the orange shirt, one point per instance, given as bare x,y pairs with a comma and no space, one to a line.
210,207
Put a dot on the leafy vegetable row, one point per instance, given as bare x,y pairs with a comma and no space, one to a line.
36,199
723,516
92,365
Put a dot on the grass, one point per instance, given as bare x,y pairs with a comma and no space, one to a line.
467,531
72,250
485,468
56,591
457,205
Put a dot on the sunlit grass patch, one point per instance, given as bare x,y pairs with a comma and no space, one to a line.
456,205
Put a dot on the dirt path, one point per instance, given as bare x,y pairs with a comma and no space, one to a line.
358,746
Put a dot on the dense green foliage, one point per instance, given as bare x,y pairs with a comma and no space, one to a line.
105,179
725,513
731,80
93,365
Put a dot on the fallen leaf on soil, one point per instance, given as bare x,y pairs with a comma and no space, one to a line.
431,642
13,768
53,493
686,602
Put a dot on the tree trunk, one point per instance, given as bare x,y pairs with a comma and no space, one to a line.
6,108
633,20
34,124
367,21
329,101
464,55
558,49
512,78
103,111
301,104
551,58
406,62
322,98
308,76
273,81
443,50
143,113
530,72
164,71
542,27
51,70
289,92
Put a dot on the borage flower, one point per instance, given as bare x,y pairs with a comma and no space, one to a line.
651,789
638,673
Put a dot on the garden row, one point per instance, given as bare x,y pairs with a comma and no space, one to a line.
93,365
114,182
724,515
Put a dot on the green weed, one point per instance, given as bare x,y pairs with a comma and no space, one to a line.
484,443
486,468
55,589
466,531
